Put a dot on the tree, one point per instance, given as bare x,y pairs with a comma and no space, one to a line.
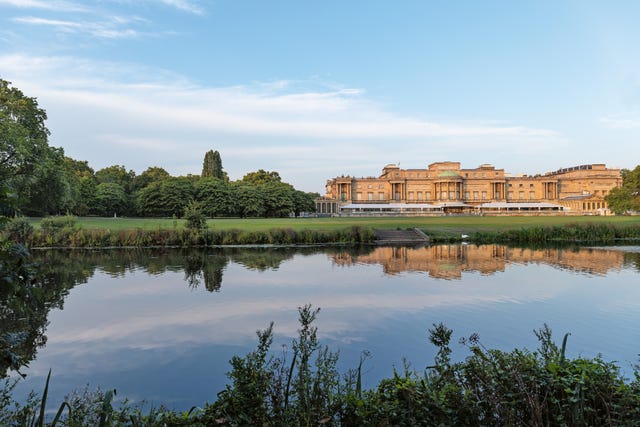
165,198
52,188
627,197
277,199
116,174
110,199
212,165
304,202
151,174
261,177
248,200
23,139
196,220
214,196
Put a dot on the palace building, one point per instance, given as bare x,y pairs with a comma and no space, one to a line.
445,188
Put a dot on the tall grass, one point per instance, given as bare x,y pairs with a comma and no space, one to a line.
577,233
97,238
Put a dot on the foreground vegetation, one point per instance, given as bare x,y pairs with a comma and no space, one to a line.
302,387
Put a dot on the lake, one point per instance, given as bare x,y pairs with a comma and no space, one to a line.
161,325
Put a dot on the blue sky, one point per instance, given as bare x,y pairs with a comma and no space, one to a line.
319,89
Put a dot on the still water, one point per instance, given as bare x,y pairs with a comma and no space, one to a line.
160,326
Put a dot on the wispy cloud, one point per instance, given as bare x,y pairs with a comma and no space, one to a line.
114,28
184,5
52,5
622,122
96,106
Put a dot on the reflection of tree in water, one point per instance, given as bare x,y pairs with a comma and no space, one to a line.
261,259
632,259
27,294
32,286
203,267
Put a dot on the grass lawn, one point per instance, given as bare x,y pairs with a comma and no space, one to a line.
434,225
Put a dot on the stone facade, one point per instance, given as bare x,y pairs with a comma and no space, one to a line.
448,188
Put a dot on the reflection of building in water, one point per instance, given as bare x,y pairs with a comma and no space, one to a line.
445,187
450,261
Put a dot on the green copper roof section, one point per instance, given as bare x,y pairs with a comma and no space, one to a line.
448,174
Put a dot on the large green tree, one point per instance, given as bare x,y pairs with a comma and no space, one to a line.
627,197
248,200
261,177
165,198
277,199
110,199
215,197
151,174
304,202
117,174
23,139
52,188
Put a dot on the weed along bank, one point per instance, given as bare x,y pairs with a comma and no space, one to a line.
445,188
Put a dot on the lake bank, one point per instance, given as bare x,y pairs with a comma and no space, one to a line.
124,232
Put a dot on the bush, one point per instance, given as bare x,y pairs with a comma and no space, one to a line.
56,223
19,230
196,220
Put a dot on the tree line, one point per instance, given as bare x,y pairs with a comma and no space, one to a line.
37,179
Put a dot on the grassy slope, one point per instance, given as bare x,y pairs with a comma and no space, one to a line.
444,225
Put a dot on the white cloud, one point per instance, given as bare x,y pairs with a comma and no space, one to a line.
60,6
168,121
184,5
115,28
622,122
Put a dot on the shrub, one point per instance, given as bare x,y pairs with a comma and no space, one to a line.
56,223
196,220
19,229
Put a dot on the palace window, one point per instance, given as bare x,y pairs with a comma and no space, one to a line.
358,196
380,185
419,195
484,195
521,195
510,195
475,195
369,186
428,195
410,195
381,196
532,195
466,195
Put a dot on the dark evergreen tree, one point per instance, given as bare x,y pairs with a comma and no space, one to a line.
212,165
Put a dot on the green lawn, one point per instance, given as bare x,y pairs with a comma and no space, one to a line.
444,224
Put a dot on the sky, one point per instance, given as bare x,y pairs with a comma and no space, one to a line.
319,89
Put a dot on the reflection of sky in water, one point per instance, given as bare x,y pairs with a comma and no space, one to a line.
153,338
